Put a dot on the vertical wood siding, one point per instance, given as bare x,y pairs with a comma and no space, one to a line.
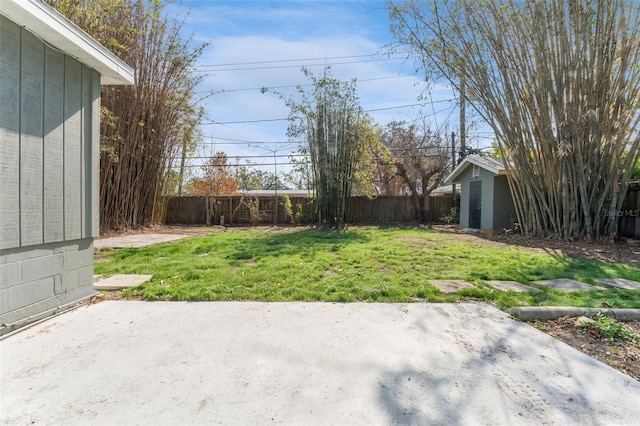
49,136
31,134
53,146
9,134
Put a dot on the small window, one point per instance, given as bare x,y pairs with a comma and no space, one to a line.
476,171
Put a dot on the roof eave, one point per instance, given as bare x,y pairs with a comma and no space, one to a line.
465,163
56,30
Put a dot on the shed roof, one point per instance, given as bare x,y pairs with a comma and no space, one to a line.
494,165
56,30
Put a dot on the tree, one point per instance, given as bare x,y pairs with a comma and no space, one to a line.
146,126
419,160
559,83
217,180
252,178
339,139
299,176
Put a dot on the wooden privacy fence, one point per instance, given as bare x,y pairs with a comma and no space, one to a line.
228,210
629,219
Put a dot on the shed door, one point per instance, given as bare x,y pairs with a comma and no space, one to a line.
475,202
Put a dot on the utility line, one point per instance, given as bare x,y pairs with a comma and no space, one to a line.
286,119
274,61
364,80
294,66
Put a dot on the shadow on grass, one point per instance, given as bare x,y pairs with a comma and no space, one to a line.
307,242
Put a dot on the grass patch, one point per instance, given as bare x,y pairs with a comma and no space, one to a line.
362,264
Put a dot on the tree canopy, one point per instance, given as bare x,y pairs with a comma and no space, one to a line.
217,180
419,159
559,83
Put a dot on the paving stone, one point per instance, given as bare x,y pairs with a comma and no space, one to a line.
120,281
451,286
136,240
511,285
567,285
619,283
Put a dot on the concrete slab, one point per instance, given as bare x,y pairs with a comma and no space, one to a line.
136,240
450,286
567,285
619,283
511,286
160,363
120,281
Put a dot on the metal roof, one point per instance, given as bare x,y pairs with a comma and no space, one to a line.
54,29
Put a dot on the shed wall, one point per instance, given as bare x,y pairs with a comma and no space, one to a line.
486,177
49,136
504,212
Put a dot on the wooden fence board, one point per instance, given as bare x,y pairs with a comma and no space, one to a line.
235,209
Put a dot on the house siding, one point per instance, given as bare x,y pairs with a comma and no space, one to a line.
49,135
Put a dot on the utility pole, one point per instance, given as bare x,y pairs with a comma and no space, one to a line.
463,125
183,160
453,165
275,183
274,151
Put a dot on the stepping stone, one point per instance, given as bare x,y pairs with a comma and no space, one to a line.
450,286
120,281
619,283
136,240
567,285
511,285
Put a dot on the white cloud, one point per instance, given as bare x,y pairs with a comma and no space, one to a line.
245,32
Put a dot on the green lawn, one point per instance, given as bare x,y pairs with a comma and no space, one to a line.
361,264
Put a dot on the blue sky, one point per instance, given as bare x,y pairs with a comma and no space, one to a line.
255,44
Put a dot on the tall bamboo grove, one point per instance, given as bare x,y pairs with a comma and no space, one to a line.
340,140
559,83
146,126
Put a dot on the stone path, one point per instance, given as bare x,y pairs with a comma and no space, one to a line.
567,285
136,240
511,285
561,284
619,283
120,281
451,286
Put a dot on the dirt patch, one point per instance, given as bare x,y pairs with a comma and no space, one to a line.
624,356
624,251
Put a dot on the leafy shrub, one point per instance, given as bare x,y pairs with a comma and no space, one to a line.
610,329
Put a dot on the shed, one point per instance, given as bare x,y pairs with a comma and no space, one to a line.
485,198
50,77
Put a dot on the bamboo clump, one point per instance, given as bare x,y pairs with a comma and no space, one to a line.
559,83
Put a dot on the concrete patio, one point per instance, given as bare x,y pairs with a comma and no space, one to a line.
129,362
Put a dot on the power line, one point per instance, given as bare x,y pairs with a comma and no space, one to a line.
368,110
364,80
274,61
244,121
242,165
239,157
294,66
246,143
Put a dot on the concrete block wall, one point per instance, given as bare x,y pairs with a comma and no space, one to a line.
34,280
